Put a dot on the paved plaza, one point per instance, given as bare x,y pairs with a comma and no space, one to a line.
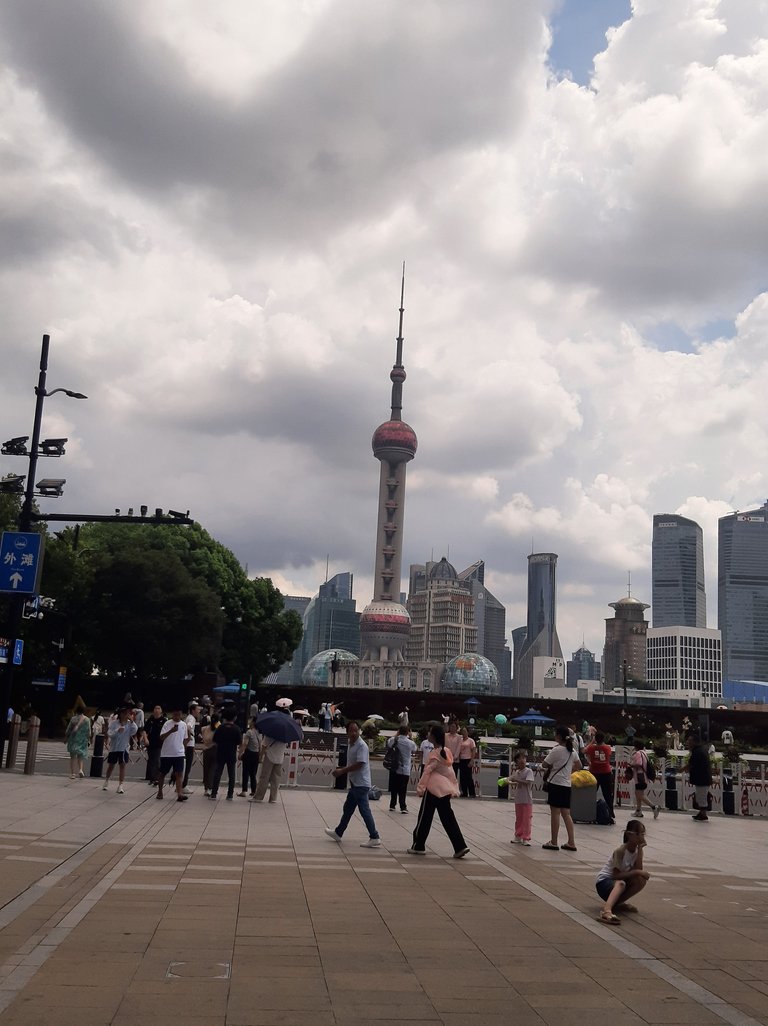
120,909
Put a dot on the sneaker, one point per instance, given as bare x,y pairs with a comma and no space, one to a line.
242,794
372,842
207,793
183,797
72,776
656,811
461,853
637,815
404,811
526,843
212,797
415,851
81,774
331,832
230,797
516,840
121,790
187,790
105,787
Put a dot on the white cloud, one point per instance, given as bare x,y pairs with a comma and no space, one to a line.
208,212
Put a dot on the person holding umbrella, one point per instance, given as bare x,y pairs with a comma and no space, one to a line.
276,731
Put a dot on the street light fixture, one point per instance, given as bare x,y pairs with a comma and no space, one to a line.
15,446
51,487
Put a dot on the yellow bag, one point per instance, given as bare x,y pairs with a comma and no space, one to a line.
583,778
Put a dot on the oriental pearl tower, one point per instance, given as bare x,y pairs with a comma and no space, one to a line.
385,623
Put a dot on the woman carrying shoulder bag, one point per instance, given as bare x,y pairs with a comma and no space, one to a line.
437,786
558,766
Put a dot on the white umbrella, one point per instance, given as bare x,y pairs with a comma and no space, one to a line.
301,712
284,703
374,716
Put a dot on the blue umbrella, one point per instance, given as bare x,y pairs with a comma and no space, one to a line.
279,727
472,701
534,717
232,689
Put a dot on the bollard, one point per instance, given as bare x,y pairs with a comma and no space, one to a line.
729,798
340,783
97,759
14,729
670,789
33,732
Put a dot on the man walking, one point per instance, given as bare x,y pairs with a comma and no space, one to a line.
358,771
229,737
152,727
189,752
699,775
121,730
173,737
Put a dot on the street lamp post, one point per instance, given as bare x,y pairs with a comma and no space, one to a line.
624,681
16,602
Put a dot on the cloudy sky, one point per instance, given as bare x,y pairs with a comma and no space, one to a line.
207,207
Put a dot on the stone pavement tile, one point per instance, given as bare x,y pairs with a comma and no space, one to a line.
512,1015
244,1004
678,1009
164,1017
480,978
401,981
564,1013
355,1015
251,1016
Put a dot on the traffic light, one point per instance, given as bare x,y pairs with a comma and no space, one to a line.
243,687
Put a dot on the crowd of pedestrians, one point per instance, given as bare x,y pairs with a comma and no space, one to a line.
445,759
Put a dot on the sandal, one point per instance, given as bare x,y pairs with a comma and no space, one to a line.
550,847
609,918
568,847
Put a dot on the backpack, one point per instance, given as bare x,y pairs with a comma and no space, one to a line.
374,794
390,758
650,770
602,814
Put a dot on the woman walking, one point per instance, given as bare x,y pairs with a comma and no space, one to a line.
78,738
249,757
467,755
437,786
558,766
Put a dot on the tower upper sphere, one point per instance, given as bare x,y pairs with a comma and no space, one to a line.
394,441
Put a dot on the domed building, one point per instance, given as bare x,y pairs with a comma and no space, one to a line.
625,642
317,672
470,674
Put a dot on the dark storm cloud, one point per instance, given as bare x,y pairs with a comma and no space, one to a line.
332,135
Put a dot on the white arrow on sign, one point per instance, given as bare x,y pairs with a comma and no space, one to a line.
16,580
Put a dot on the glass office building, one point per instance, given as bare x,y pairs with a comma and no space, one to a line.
678,597
742,585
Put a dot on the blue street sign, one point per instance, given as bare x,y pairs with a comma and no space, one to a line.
61,680
21,562
18,651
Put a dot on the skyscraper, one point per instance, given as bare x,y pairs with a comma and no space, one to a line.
385,623
678,597
582,666
742,586
330,621
442,615
542,639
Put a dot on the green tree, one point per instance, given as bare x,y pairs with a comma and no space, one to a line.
160,601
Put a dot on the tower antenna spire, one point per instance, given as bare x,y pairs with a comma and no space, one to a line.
397,374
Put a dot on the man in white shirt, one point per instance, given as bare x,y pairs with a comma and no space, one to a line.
173,735
358,771
189,750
